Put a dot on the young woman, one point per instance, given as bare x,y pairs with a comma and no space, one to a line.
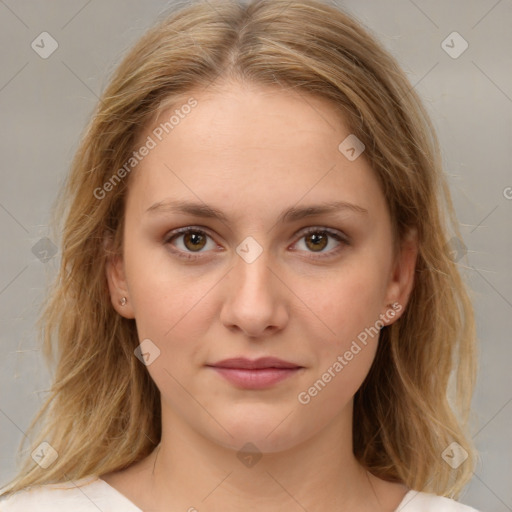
257,307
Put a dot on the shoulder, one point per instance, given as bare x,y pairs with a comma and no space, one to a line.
84,495
415,501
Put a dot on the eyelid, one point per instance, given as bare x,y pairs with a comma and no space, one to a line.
330,231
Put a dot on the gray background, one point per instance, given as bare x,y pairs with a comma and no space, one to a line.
45,103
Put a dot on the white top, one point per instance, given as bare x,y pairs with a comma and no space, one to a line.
95,494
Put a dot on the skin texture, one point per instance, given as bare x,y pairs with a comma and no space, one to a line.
252,152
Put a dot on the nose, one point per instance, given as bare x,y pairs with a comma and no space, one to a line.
255,298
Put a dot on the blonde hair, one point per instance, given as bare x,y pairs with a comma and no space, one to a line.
103,410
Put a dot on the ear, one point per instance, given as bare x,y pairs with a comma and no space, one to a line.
116,278
401,280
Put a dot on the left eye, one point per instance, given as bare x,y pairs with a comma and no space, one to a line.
317,239
195,239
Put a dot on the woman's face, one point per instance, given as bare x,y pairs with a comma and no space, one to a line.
249,281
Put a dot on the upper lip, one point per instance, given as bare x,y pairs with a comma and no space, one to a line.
250,364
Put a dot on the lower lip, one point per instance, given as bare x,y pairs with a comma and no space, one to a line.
255,378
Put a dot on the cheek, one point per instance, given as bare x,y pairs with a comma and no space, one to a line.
345,303
347,310
164,293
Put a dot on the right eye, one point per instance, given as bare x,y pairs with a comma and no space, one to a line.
193,240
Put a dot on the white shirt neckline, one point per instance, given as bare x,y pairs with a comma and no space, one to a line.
119,494
93,489
409,495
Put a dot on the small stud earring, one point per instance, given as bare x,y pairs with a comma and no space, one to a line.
123,301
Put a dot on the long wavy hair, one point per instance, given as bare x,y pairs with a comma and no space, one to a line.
102,412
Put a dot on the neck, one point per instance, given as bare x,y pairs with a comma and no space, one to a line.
188,471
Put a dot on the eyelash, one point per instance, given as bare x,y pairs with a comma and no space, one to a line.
344,241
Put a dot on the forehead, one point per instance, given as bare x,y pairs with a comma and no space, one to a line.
251,147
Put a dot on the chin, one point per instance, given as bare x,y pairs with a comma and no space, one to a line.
269,432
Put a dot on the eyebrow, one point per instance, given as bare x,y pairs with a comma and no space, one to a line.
289,215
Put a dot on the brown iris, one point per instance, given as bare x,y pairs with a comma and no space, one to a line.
196,239
319,241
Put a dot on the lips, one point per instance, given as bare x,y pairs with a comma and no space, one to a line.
248,364
255,374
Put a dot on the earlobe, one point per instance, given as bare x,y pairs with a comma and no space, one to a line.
401,282
118,288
